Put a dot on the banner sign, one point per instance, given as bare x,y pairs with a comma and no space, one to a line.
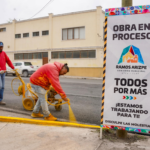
126,72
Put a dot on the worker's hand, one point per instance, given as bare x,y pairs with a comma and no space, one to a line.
66,99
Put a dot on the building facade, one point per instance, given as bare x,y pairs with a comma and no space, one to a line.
73,38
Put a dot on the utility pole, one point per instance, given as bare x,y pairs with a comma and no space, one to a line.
123,133
126,3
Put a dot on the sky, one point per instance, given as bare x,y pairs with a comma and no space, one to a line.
26,9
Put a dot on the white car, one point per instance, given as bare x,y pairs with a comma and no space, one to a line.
23,68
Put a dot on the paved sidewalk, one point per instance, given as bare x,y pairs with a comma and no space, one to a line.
19,136
35,137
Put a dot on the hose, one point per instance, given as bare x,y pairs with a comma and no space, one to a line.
30,90
68,102
23,84
12,86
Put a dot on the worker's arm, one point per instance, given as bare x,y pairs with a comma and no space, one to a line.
9,62
54,80
65,99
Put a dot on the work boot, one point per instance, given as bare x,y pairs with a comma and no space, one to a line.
2,103
50,118
37,115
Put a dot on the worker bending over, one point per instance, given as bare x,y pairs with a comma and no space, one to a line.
41,81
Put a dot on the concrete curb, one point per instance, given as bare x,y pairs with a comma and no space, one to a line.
15,111
75,77
92,96
47,123
6,109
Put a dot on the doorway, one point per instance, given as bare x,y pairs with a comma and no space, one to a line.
45,60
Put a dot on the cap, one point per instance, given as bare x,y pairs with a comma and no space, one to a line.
1,44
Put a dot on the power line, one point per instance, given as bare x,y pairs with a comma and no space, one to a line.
42,8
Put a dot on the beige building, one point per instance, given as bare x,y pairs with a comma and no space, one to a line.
73,38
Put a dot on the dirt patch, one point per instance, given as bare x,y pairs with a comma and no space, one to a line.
110,135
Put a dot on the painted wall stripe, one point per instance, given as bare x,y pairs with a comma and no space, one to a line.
103,75
104,71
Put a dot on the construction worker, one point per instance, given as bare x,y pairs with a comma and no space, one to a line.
41,80
3,60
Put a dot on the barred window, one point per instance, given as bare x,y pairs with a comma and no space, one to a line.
35,55
2,29
17,36
30,56
54,55
35,33
26,56
39,55
45,54
69,54
84,54
74,54
45,32
25,35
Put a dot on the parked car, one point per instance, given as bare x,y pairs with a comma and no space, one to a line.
24,68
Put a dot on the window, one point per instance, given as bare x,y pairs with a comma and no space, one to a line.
55,55
84,54
74,54
45,54
16,56
18,64
39,55
61,55
35,33
73,33
17,36
64,34
92,54
14,64
25,35
27,64
26,56
69,54
30,56
76,33
35,55
70,34
2,29
45,32
20,56
82,33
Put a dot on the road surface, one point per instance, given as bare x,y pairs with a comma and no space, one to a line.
84,95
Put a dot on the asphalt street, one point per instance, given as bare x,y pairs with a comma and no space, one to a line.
84,95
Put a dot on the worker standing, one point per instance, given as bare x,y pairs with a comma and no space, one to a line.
41,81
3,60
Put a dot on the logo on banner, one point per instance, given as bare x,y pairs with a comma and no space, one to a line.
131,61
131,54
